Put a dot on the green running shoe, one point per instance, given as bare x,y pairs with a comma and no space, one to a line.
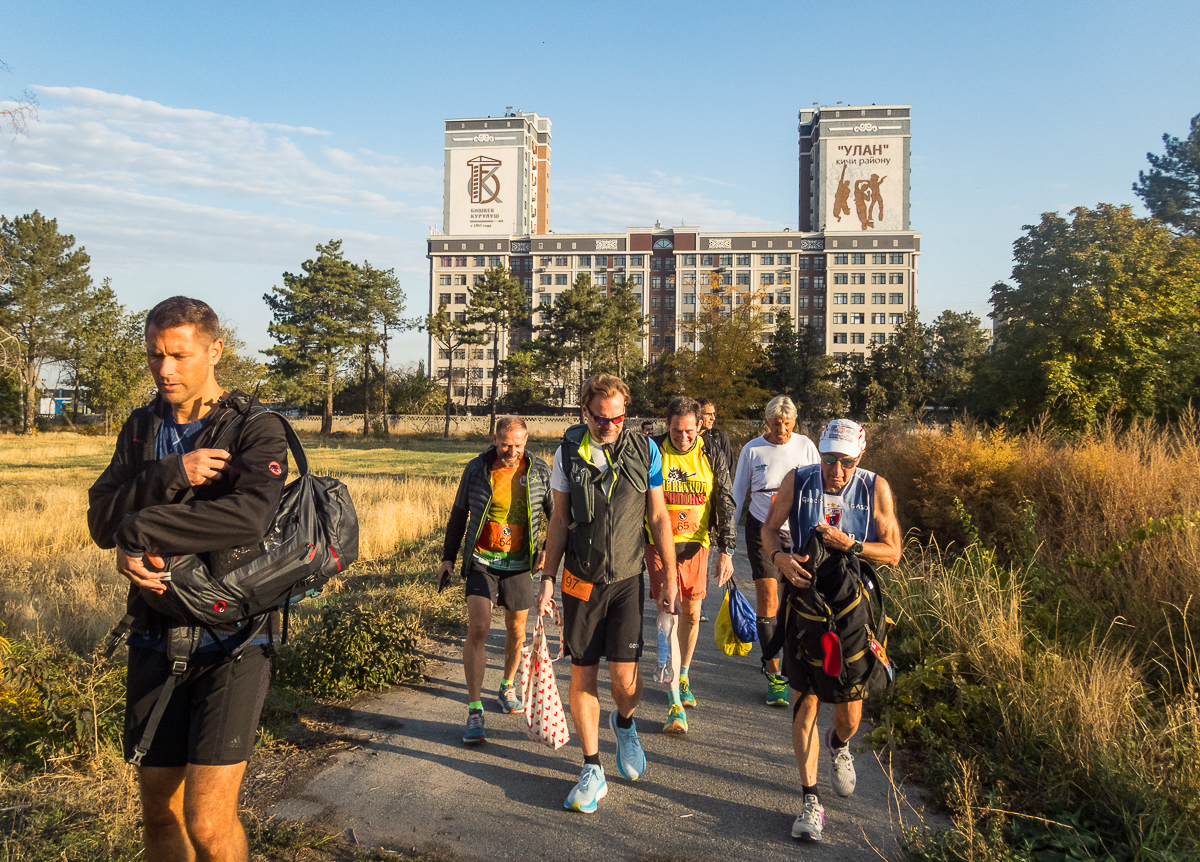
776,689
685,693
676,720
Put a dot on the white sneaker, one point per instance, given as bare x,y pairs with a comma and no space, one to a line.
810,821
591,789
843,777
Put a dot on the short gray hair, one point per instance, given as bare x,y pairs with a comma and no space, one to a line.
506,423
778,406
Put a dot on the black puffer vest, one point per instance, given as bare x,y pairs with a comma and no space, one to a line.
605,540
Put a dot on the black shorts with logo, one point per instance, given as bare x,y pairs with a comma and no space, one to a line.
607,625
212,716
512,591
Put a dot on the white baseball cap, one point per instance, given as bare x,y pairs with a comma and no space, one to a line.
843,437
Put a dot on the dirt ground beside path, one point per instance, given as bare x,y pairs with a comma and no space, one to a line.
728,790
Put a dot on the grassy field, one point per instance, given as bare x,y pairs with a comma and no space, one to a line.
1046,631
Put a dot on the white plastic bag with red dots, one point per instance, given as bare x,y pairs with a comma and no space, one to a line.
545,720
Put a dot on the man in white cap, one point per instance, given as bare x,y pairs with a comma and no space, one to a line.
852,511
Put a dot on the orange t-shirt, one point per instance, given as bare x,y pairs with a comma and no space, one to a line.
502,541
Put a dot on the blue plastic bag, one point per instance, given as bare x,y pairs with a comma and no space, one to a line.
741,615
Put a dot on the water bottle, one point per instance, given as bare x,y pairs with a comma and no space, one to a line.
665,671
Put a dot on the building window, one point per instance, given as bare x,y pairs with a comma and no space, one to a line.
802,262
858,338
706,260
841,278
619,261
669,301
879,278
858,257
601,260
444,298
727,278
544,261
494,260
838,318
802,282
560,278
896,278
767,259
839,338
858,299
443,279
841,258
545,278
858,318
655,341
879,338
743,260
767,278
656,264
878,299
840,298
654,321
560,260
819,321
785,299
655,302
478,279
896,319
601,279
460,298
877,319
544,299
670,264
743,278
478,261
802,320
785,278
785,260
637,260
727,260
447,261
460,279
689,299
543,317
895,299
819,264
689,316
819,301
801,301
878,258
689,278
460,261
637,278
656,282
769,319
585,260
897,257
460,316
858,278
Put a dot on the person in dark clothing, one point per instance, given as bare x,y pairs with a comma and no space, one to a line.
502,498
713,436
167,493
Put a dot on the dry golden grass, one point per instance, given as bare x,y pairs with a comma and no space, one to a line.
55,582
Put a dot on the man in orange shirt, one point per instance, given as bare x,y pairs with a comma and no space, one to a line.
502,497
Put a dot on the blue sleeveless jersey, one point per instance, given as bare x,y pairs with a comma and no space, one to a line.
808,505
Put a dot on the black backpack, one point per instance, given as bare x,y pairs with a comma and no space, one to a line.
840,602
314,536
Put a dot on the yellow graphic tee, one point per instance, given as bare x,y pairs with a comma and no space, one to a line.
503,529
688,487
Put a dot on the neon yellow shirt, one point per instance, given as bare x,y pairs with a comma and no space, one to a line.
688,488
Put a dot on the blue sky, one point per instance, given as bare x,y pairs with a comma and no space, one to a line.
206,150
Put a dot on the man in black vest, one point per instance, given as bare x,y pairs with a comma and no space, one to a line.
167,493
607,483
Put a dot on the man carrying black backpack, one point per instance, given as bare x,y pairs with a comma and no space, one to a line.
838,511
166,493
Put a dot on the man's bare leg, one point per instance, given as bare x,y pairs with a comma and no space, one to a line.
210,800
585,707
479,623
514,622
163,830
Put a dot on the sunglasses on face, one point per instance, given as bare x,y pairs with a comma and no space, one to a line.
604,422
830,460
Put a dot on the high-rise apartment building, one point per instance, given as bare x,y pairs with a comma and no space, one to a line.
849,271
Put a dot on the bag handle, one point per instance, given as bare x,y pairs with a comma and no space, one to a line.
540,628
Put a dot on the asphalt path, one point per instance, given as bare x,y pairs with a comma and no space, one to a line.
727,790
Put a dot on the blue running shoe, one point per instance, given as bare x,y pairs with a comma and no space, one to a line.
474,732
591,789
508,702
631,760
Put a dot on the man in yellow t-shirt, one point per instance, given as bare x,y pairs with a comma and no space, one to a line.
699,498
502,497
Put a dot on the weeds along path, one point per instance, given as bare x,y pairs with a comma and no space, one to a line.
728,790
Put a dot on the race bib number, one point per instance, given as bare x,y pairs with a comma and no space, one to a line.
501,538
576,588
685,522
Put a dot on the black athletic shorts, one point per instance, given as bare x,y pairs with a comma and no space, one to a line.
760,561
608,625
212,717
512,591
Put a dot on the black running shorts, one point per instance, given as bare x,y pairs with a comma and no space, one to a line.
607,625
760,561
212,717
512,591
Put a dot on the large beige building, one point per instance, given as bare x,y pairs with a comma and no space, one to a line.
850,271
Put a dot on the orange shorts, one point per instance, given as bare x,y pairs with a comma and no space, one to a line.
693,574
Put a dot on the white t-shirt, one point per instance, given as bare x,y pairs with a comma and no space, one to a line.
762,468
558,474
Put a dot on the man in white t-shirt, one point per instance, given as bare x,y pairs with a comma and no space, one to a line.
765,462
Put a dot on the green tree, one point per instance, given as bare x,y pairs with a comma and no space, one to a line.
449,335
1171,189
238,367
414,392
956,343
46,281
85,332
380,310
901,370
622,328
570,338
729,349
524,375
318,321
1102,317
498,305
818,395
116,376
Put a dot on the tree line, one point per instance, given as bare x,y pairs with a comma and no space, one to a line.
1101,317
